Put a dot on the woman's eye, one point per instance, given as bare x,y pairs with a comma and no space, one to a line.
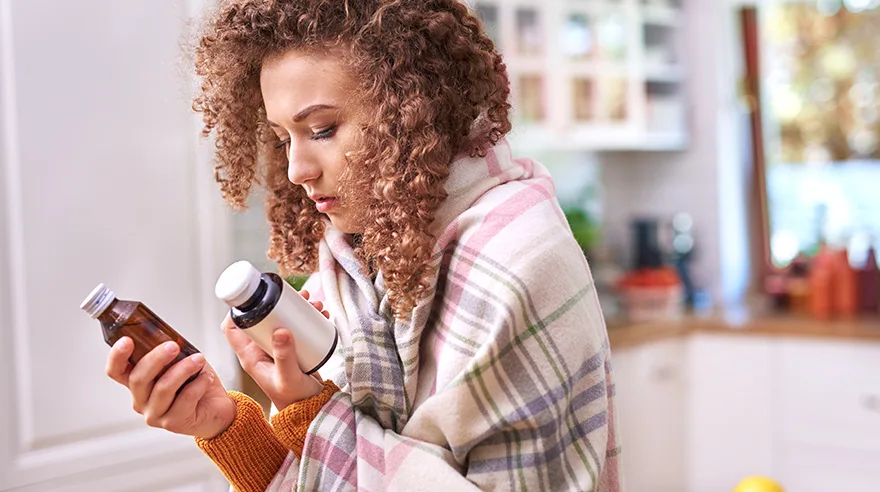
321,135
324,133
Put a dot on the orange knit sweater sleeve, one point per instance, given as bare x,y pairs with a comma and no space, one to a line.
292,423
247,453
250,452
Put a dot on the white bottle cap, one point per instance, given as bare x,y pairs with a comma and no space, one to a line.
237,283
97,301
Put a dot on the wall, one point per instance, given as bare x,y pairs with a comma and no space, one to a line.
707,180
250,228
103,178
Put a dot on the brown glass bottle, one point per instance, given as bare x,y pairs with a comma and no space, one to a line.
120,318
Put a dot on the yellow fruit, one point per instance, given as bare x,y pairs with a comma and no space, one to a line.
758,484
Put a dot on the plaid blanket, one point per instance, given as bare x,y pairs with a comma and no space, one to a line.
501,380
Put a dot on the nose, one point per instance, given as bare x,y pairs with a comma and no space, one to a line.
302,167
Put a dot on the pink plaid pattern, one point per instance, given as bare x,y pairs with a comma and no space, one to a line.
500,380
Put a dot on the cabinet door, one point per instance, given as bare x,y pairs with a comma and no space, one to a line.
830,393
102,179
650,384
730,410
829,415
819,468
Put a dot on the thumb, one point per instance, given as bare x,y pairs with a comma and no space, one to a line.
286,361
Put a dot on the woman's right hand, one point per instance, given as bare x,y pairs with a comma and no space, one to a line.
278,373
202,409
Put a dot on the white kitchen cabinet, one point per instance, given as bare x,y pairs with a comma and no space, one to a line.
816,468
103,178
703,412
829,415
597,75
730,410
651,384
829,393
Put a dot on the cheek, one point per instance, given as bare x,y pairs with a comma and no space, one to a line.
348,139
332,167
344,148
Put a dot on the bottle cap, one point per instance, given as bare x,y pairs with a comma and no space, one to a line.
237,283
97,301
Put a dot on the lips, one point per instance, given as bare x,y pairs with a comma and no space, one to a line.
324,203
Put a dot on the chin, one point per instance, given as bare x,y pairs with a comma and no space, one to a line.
345,226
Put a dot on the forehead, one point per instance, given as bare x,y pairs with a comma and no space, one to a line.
293,80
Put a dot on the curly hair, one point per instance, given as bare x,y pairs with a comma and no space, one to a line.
435,87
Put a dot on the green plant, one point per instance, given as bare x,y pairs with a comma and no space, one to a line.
297,282
583,227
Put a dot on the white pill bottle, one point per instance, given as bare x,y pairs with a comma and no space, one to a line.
260,303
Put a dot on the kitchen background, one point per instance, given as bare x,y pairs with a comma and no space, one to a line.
717,160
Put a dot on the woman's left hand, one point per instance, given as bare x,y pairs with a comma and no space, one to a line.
278,375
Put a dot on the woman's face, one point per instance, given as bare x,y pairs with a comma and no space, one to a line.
309,106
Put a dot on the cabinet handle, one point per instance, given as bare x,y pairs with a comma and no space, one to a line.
871,403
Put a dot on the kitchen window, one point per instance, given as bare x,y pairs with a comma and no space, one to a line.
816,66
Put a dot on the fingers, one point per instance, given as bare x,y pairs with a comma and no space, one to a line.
291,384
286,361
227,322
183,408
253,359
118,367
143,375
189,396
236,338
214,378
166,387
317,304
320,307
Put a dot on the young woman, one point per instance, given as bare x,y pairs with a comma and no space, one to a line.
473,351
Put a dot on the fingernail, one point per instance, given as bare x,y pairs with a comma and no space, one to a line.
170,347
210,376
121,344
197,358
281,337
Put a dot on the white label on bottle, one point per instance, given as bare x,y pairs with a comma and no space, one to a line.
313,333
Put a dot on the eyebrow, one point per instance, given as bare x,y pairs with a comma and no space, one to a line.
305,113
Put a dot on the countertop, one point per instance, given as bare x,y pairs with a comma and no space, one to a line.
625,334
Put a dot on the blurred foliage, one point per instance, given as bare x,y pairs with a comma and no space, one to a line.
297,282
584,228
823,84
